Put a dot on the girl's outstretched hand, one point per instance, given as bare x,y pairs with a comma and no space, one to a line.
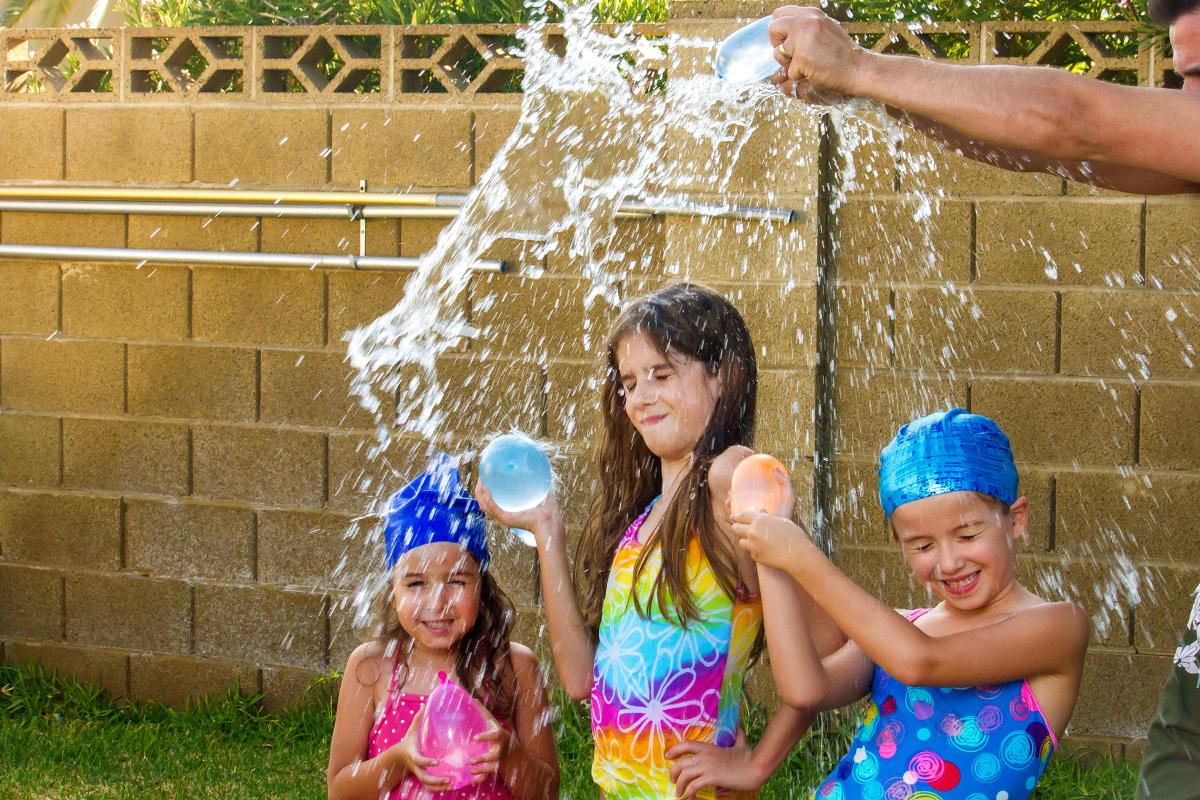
698,765
407,755
541,520
498,740
771,541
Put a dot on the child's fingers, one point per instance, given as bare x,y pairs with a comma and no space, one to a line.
438,783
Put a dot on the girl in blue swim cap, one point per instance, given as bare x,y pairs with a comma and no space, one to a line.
968,699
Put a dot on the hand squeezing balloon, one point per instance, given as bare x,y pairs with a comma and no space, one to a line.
448,732
517,474
759,484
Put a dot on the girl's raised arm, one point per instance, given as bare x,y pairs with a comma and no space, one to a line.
570,640
1016,645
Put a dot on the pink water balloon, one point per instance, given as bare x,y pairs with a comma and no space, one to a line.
758,485
452,721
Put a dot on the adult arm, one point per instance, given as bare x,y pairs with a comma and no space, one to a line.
1040,110
1016,644
570,639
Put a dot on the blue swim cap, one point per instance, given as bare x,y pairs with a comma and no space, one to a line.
434,507
949,451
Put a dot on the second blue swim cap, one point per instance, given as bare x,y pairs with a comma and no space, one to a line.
949,451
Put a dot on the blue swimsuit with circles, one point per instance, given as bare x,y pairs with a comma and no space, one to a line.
934,743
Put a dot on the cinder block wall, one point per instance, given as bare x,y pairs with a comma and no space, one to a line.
1068,315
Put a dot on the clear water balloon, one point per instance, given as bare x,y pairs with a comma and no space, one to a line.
747,56
517,473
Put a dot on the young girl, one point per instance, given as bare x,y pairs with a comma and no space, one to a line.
670,617
969,698
442,613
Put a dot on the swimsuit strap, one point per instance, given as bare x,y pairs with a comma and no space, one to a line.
916,613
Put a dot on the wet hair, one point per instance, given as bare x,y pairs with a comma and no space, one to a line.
483,657
1166,12
684,320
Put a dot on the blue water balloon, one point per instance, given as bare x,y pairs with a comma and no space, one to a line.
517,473
747,56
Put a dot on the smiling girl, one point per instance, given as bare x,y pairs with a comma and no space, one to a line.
670,617
968,698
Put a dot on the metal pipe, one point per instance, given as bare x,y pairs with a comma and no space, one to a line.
324,205
305,260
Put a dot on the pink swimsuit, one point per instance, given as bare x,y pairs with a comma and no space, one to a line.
390,726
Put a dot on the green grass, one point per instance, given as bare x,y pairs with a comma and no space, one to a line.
60,739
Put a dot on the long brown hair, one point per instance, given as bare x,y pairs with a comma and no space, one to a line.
483,659
692,321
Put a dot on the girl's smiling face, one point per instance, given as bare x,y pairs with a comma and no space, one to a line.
962,546
435,591
668,398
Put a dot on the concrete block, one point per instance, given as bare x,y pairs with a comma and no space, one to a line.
137,613
786,403
258,465
129,144
1058,242
309,388
30,290
181,681
310,549
29,450
485,396
925,165
357,480
537,318
1169,436
30,603
1097,583
1134,335
184,539
329,236
286,688
236,234
869,407
782,320
863,322
76,230
192,382
37,375
125,456
418,236
902,240
262,147
357,297
1135,679
60,530
96,666
1167,597
1133,513
1172,234
866,155
402,148
124,301
261,625
492,128
855,515
283,307
706,249
572,401
981,330
32,145
1060,421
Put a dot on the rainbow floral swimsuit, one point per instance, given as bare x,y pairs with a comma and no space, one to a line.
654,683
933,743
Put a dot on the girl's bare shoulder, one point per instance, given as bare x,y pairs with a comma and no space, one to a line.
367,664
720,474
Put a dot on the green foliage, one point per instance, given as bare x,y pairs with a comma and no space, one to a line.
988,10
59,738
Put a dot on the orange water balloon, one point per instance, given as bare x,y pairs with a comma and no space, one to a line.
757,486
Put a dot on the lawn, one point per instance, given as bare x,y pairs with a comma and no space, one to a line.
60,739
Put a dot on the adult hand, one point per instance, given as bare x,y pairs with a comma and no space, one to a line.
498,740
771,541
698,765
406,754
817,56
541,520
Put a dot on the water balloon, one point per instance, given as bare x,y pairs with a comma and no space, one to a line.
517,473
452,721
759,485
746,56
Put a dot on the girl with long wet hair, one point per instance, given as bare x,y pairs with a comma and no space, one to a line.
670,617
